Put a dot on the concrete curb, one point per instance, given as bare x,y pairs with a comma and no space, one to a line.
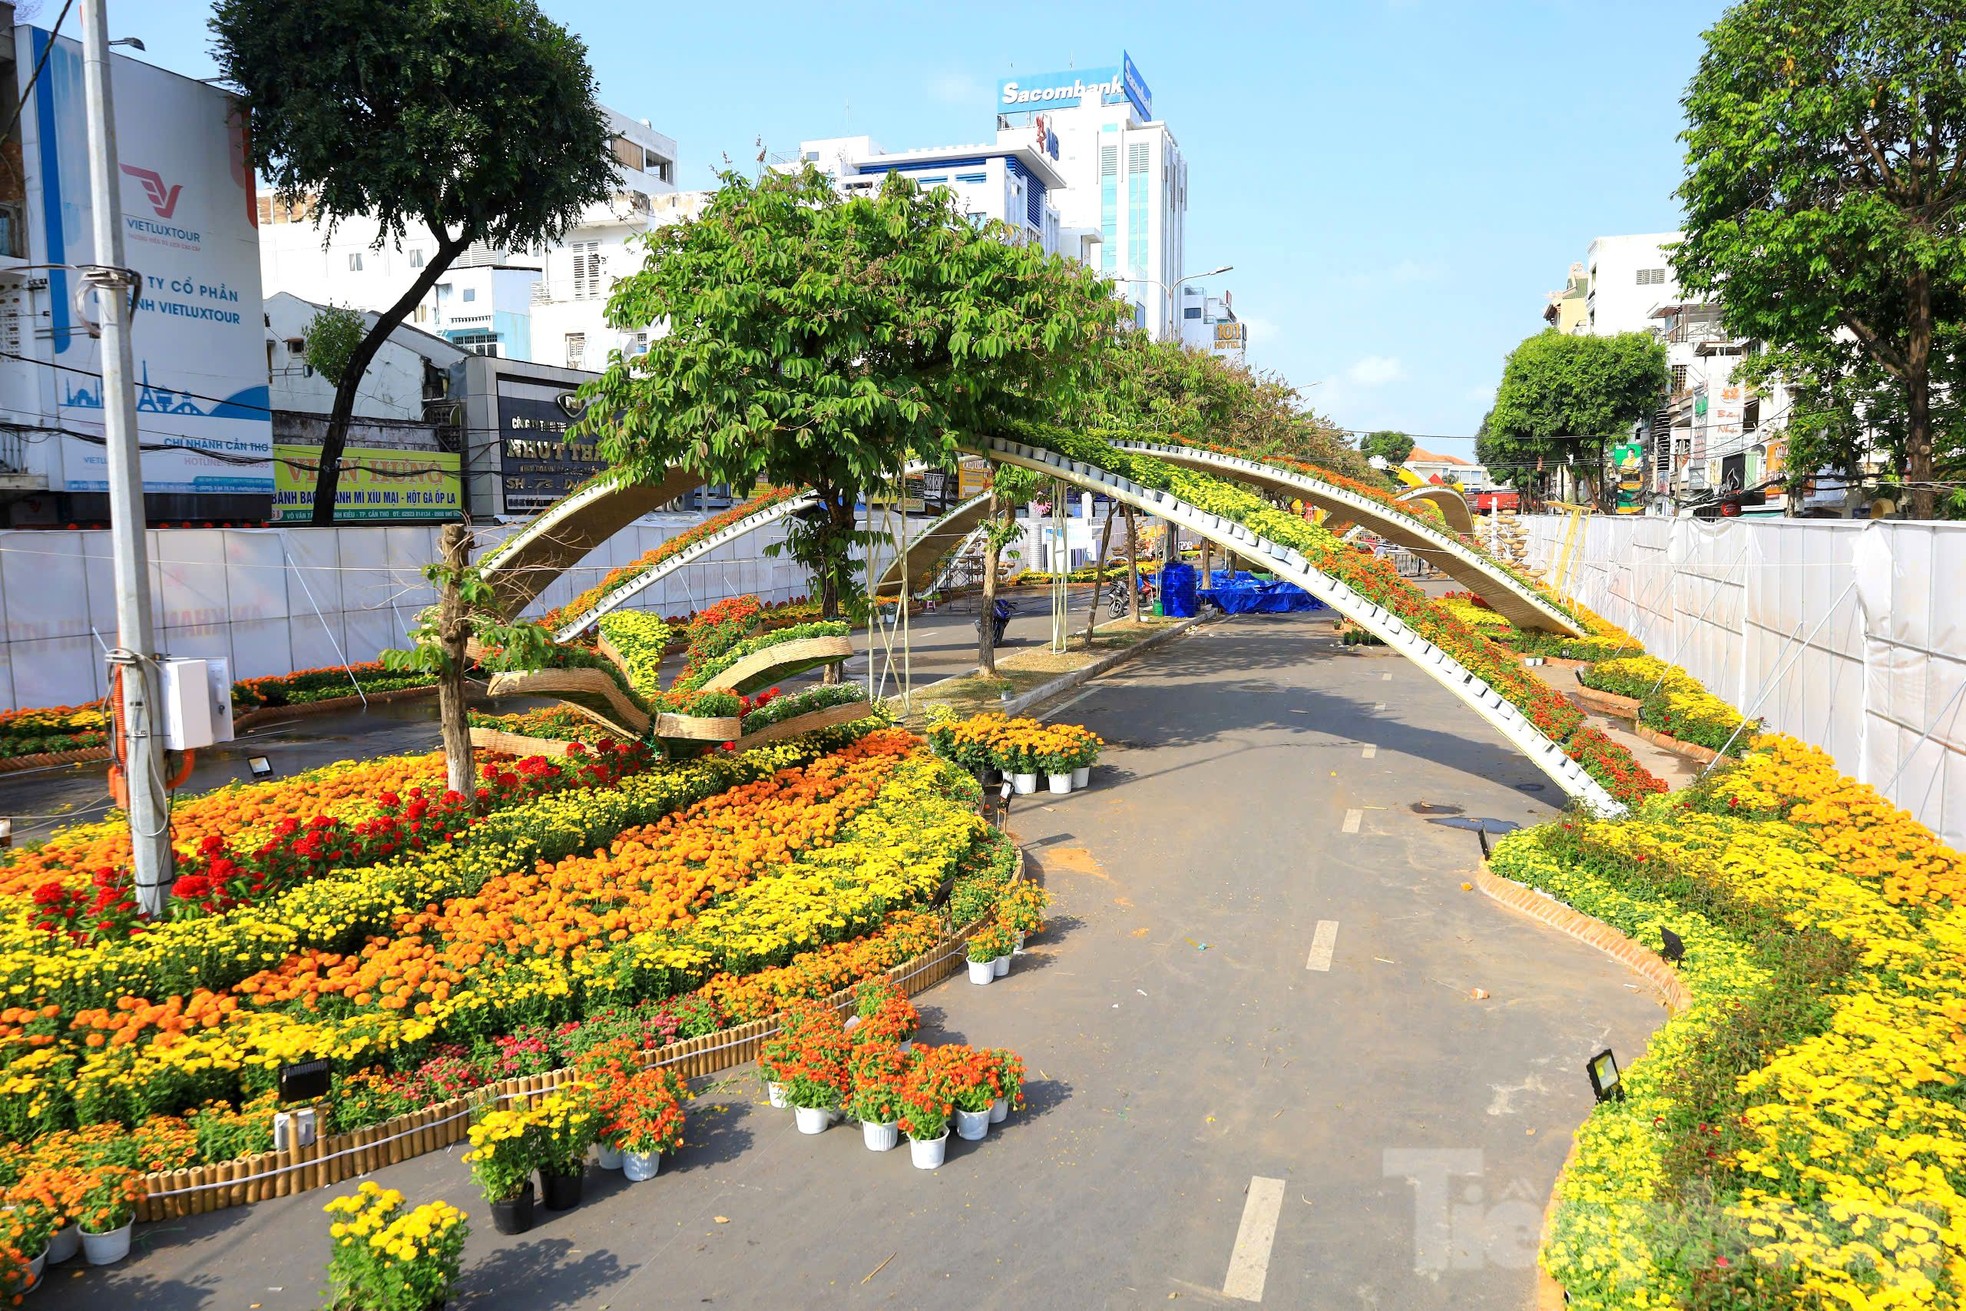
1066,682
1641,960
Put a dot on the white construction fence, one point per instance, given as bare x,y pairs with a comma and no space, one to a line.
274,600
1850,635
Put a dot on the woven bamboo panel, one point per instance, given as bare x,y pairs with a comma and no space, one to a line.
779,661
517,744
327,1161
832,716
698,728
572,682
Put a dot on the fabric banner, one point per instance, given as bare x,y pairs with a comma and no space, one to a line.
407,486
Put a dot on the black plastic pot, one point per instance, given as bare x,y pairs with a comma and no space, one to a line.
562,1190
514,1215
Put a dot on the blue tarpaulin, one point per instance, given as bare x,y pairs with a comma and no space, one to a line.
1177,590
1243,593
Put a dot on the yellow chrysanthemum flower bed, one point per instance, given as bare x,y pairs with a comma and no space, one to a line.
1797,1137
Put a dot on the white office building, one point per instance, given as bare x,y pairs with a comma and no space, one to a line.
1209,323
538,305
1124,178
1011,181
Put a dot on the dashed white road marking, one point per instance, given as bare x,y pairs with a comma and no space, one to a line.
1353,818
1386,677
1323,943
1378,705
1249,1262
1370,751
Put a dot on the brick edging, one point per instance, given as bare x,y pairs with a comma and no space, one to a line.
1641,960
1691,750
46,759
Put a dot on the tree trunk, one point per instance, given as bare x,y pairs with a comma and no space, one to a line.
454,631
986,650
1132,569
1918,386
839,530
1098,579
328,478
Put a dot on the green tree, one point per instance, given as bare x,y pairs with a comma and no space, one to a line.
1392,447
474,120
1011,488
821,341
467,609
1558,388
1825,190
1163,386
331,338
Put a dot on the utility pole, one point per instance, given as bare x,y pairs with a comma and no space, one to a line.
141,748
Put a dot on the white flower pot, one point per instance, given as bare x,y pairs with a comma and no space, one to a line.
638,1166
907,1045
982,971
1002,964
1000,1110
1059,783
879,1137
1024,784
1082,777
34,1269
813,1119
106,1249
64,1245
608,1158
776,1092
928,1154
971,1126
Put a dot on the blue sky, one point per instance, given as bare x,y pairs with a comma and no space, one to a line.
1397,182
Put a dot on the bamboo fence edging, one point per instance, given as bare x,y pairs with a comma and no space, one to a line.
329,1160
1640,959
577,682
518,744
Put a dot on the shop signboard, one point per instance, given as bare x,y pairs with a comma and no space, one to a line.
537,464
377,483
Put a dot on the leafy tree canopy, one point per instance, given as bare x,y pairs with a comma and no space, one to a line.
1162,386
1393,447
331,337
1825,194
474,120
820,341
1557,386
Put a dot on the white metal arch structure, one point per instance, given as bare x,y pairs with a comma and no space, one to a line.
928,549
1519,604
1292,566
1453,506
526,563
688,555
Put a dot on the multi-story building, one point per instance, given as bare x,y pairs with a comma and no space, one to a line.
1209,323
1124,177
1011,181
1715,440
489,301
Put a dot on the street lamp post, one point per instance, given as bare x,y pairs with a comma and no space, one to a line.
1168,288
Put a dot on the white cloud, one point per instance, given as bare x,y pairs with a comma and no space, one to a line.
1376,371
958,89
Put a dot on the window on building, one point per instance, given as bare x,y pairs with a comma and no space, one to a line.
1679,378
477,343
422,314
296,346
587,263
576,349
416,259
1109,206
1651,277
1137,162
812,156
1751,415
1192,312
470,293
354,261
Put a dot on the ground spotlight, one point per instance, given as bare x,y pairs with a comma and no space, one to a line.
1674,949
1603,1069
262,768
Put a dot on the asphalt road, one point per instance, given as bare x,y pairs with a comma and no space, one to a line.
1258,1056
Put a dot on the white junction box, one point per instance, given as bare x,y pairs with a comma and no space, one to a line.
185,704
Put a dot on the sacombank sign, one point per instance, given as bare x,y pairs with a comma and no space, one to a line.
1061,90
